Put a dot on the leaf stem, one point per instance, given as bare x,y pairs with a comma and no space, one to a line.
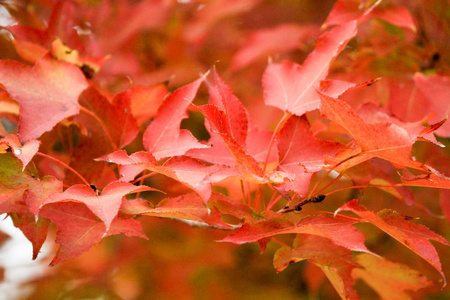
292,199
63,164
364,186
280,242
244,198
273,202
264,202
275,133
328,172
140,183
258,198
143,177
271,199
330,183
102,124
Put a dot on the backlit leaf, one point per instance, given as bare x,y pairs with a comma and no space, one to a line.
163,137
292,87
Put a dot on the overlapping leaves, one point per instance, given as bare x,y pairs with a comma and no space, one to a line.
88,134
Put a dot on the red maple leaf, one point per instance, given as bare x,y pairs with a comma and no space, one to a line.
110,119
414,236
426,96
388,278
42,88
297,145
185,207
340,231
300,154
79,228
23,152
246,164
372,114
347,10
436,90
21,194
384,140
433,179
144,101
163,137
234,141
229,206
192,207
376,171
335,261
292,87
34,228
16,185
235,114
253,168
186,170
105,206
228,120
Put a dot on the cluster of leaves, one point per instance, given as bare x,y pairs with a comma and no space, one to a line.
84,150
